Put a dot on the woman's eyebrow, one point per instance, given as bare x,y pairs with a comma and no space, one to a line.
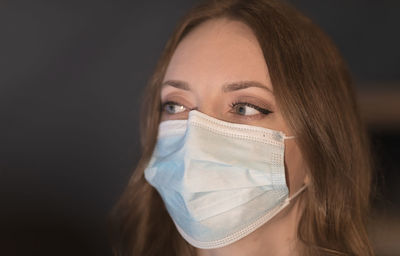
177,84
244,85
229,87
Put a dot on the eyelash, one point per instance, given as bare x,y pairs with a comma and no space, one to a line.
163,105
263,111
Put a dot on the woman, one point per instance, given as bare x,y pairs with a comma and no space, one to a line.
260,149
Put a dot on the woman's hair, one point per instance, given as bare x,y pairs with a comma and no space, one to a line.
312,87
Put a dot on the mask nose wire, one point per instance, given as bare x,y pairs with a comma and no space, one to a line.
196,110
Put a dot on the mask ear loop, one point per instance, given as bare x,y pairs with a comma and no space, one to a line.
298,192
288,137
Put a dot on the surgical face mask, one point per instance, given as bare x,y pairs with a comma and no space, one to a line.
219,181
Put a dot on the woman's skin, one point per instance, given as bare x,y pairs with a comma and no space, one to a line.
219,69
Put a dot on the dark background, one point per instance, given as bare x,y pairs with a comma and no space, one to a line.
71,75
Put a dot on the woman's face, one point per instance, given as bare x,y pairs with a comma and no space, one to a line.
219,69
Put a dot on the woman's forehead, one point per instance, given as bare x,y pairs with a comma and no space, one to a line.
217,52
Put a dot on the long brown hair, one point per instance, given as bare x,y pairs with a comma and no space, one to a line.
312,87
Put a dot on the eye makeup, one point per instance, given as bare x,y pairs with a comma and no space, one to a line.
171,107
236,105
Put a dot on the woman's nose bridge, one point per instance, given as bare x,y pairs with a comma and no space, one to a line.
208,111
211,103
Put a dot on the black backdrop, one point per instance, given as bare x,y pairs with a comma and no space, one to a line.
71,75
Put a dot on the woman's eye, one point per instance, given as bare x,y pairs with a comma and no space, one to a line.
247,109
173,108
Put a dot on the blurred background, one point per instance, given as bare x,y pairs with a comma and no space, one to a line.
71,76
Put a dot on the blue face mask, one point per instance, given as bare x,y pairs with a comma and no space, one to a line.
219,181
